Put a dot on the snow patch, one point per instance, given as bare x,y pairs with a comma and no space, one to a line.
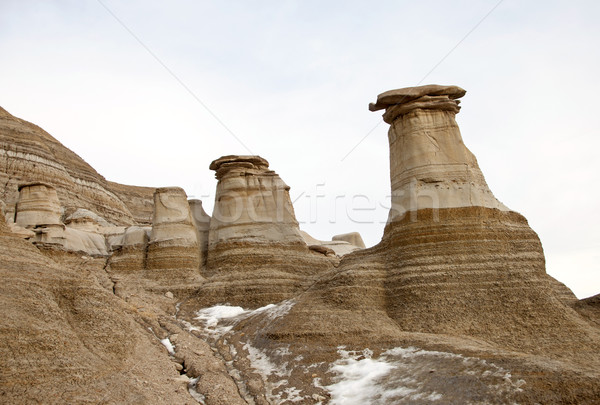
414,376
357,377
194,393
218,320
167,343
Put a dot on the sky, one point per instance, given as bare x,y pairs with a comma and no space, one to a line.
150,92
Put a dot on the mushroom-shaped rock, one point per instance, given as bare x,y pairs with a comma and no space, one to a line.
459,264
430,166
254,237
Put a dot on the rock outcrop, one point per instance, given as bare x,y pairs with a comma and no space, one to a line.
38,210
339,245
67,339
202,222
38,205
164,257
352,238
28,154
253,237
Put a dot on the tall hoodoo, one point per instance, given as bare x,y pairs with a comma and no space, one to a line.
430,166
460,263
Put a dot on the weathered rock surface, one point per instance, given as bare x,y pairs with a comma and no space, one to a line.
202,222
164,257
352,238
339,245
38,205
430,167
67,339
38,210
253,238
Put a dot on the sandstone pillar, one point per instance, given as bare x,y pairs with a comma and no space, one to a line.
173,245
256,255
202,222
38,205
430,166
252,203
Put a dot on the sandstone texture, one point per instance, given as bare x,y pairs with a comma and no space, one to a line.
67,339
123,294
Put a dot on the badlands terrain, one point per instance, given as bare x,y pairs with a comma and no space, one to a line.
120,294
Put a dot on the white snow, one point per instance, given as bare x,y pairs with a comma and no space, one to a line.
167,343
402,375
212,315
220,319
260,362
357,376
195,394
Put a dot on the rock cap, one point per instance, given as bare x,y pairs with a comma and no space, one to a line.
242,159
35,183
407,94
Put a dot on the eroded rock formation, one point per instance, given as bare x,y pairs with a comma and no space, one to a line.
339,245
455,263
437,263
173,247
113,300
430,167
253,237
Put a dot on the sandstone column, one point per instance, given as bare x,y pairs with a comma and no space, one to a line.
38,205
430,166
251,203
256,255
39,209
173,247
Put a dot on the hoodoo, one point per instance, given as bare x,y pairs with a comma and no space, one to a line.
460,262
173,251
253,238
430,166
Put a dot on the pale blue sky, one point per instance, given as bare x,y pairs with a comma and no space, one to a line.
292,79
